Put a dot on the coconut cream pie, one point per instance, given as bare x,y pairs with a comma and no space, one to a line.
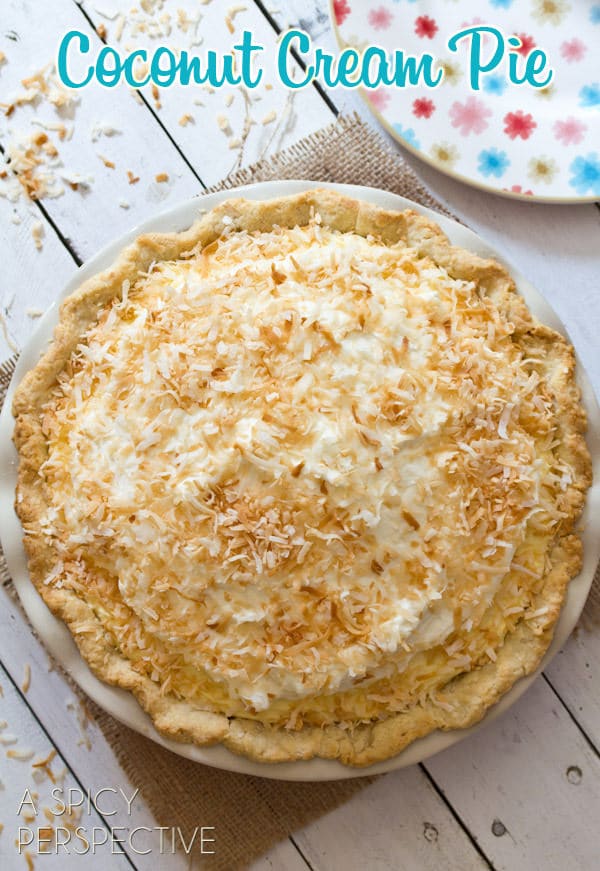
304,478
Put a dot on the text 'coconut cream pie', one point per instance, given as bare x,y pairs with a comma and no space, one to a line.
304,478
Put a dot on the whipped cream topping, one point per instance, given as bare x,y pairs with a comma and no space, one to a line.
292,462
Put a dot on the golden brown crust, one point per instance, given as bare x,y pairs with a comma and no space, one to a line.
464,700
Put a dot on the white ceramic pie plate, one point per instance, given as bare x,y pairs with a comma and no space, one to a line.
120,703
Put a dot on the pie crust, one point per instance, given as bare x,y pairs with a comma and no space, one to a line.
460,701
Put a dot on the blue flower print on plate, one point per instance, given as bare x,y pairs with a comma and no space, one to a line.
493,162
494,85
589,95
408,134
586,174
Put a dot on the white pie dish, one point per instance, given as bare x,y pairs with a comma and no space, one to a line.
123,705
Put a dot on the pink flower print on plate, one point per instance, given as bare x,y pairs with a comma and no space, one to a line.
470,116
378,98
570,131
380,18
518,189
573,50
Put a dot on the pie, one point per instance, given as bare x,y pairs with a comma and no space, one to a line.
304,478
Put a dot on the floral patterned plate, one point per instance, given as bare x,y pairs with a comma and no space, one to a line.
514,140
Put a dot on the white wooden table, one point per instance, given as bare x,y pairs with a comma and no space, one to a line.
525,792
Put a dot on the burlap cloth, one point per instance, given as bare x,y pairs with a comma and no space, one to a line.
251,814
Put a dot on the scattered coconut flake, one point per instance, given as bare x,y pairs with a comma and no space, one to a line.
235,10
110,16
27,678
228,100
223,124
43,766
56,127
84,718
7,337
23,754
37,233
101,128
269,118
107,163
123,204
119,27
31,161
34,313
76,180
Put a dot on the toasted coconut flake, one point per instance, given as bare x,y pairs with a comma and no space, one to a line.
269,118
27,678
37,233
23,754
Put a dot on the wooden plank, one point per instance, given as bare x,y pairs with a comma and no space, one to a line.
528,786
91,216
205,140
575,675
30,278
398,822
52,701
19,723
282,857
